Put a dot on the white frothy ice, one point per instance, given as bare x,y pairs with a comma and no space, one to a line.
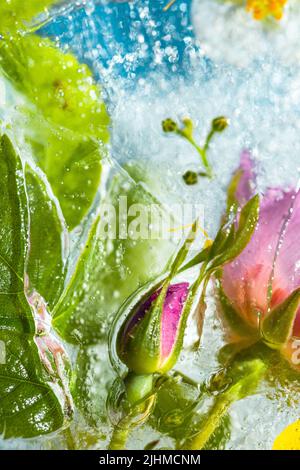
229,34
262,104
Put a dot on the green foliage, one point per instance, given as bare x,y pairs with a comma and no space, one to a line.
230,241
239,380
93,376
277,327
176,413
73,171
221,435
46,264
13,242
140,349
61,88
236,241
62,118
29,406
219,124
108,271
14,14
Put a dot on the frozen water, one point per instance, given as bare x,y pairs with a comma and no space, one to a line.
238,39
151,67
262,100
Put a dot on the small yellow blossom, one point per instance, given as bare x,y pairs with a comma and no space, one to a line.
261,9
289,439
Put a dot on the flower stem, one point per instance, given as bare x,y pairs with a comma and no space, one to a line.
244,375
219,409
70,442
208,139
138,406
119,437
203,154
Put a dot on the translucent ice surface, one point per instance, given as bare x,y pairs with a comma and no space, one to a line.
239,40
152,68
153,65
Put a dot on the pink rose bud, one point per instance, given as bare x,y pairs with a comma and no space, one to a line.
148,340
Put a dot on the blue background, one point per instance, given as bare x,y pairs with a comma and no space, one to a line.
97,34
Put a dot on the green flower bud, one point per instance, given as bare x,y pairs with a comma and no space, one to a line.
188,128
190,177
168,125
219,124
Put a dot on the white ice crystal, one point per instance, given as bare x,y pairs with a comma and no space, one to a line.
228,33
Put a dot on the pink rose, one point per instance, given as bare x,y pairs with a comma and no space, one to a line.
267,272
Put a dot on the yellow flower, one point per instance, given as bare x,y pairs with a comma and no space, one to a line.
289,439
262,9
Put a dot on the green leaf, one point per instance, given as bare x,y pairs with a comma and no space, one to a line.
14,14
151,445
60,87
73,167
109,270
61,116
28,406
221,435
76,314
224,239
228,244
246,376
241,379
46,258
232,203
198,259
277,327
29,373
247,225
13,242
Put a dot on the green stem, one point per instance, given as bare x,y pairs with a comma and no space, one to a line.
201,151
208,139
119,437
203,155
216,414
244,374
139,402
70,442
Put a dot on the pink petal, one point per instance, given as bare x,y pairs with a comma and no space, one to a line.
288,259
246,280
287,262
173,306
